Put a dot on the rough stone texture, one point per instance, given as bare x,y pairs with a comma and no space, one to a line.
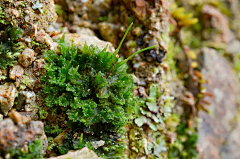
42,37
84,153
13,136
233,47
7,96
27,16
219,131
27,57
16,71
77,39
109,32
18,118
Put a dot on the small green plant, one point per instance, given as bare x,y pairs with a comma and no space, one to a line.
9,47
34,151
185,146
149,111
2,16
93,87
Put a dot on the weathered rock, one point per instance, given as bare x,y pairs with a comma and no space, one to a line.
16,71
29,14
30,97
7,96
18,118
233,47
109,32
97,144
81,30
219,131
77,39
1,117
84,153
3,74
27,57
42,37
16,136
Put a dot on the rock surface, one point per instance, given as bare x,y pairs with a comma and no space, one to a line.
13,136
77,39
27,57
29,14
84,153
16,71
219,129
7,96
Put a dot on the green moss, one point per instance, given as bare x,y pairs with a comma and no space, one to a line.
94,89
9,47
185,146
34,151
2,16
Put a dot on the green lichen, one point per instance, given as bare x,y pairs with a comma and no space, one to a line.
94,89
9,47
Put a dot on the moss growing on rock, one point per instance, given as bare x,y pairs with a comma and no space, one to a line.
93,93
9,47
33,150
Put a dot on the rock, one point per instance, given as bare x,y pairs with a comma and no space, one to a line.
42,37
77,39
30,97
18,118
1,117
219,131
84,153
27,57
81,30
27,15
109,32
233,47
16,71
16,136
97,144
3,74
137,31
7,96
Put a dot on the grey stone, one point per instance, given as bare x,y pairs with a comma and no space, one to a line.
219,131
233,47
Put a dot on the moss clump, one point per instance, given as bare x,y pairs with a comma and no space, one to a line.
9,47
87,82
2,16
94,89
33,151
185,145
